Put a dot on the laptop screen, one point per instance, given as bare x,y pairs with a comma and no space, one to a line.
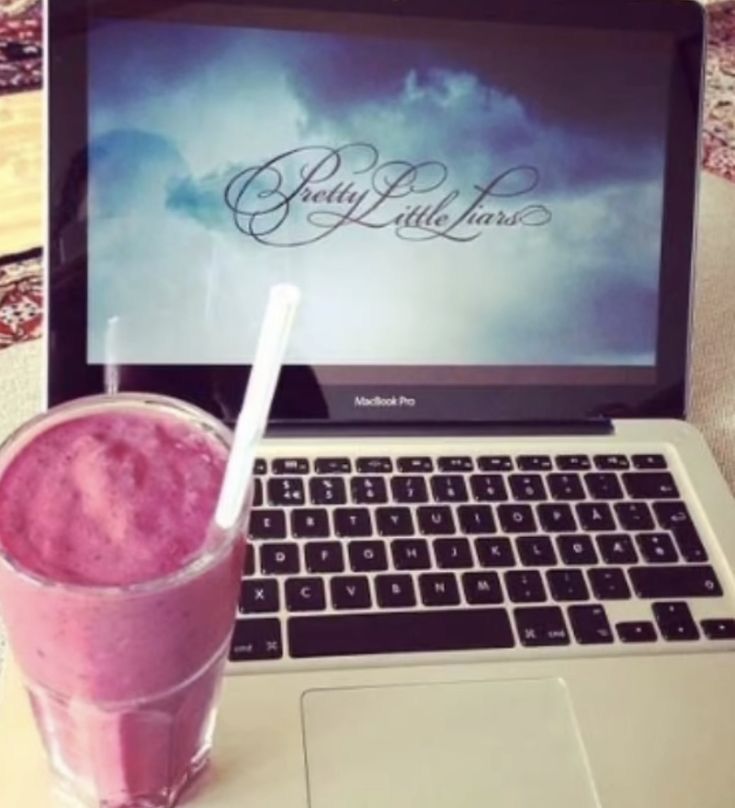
462,202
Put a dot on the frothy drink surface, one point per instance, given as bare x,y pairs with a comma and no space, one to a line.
111,498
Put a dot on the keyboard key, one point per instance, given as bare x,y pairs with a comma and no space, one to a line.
675,517
672,515
637,631
476,519
256,639
449,488
455,464
257,492
332,465
527,487
590,625
395,591
279,559
374,465
534,463
352,522
285,491
324,556
634,516
267,524
290,465
603,486
678,581
651,485
309,523
689,544
350,592
453,554
541,625
495,552
399,632
573,462
675,621
410,554
516,519
565,487
719,629
613,461
250,559
367,556
556,518
261,467
567,585
495,463
649,461
394,521
368,489
595,516
488,488
305,595
439,589
409,489
617,548
435,520
482,587
259,595
576,549
327,491
525,587
657,548
536,551
414,464
608,583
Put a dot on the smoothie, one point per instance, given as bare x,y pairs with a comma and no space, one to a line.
118,597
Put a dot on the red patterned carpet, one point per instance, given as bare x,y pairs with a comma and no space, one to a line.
20,50
21,69
719,99
21,298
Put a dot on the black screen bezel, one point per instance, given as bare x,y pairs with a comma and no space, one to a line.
301,396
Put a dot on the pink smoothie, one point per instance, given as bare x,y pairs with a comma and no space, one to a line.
111,498
123,681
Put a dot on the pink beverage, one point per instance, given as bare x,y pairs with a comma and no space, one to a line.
118,595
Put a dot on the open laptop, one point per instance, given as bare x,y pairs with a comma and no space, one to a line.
491,562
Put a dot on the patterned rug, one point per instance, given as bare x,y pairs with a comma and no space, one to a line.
719,99
21,298
21,35
21,69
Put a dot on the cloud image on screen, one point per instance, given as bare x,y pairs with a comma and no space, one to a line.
438,202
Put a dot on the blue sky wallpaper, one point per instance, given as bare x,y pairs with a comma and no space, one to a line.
492,200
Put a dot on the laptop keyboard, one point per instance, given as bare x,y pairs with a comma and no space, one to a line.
396,555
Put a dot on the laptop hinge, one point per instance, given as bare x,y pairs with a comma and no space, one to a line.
597,426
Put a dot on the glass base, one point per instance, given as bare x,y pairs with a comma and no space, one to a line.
69,795
138,754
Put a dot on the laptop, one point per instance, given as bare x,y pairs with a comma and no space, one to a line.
491,562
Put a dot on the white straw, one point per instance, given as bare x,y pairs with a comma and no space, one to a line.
112,356
253,418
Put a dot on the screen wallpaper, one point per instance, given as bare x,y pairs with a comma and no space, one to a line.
489,199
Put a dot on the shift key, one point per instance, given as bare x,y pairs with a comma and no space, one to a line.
676,581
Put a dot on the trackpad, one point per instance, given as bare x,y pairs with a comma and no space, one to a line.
505,744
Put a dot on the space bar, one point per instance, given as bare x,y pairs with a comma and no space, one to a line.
399,632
